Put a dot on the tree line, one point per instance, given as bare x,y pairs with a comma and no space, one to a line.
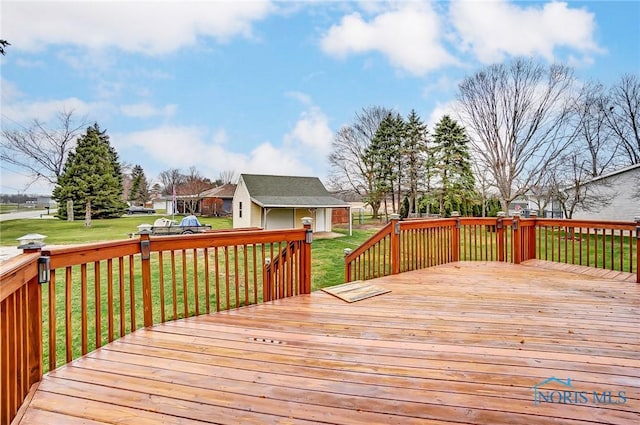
523,129
86,170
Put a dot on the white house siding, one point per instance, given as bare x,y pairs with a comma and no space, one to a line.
280,218
256,215
320,224
625,204
242,196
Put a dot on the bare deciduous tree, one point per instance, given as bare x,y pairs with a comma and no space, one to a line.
352,171
517,117
40,150
569,188
623,115
170,180
191,189
593,134
227,176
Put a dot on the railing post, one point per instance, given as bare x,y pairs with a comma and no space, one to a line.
347,265
637,220
305,269
517,239
500,235
532,236
395,243
455,249
145,255
266,280
32,244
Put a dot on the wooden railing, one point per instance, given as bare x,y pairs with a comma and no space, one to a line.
20,332
100,292
290,263
415,244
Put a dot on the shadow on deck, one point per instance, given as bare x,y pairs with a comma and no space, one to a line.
457,343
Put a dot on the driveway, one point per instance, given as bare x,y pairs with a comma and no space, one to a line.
7,252
27,214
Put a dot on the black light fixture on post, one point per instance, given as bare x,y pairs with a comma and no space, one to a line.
44,265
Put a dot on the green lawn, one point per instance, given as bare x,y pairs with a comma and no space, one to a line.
327,270
65,232
7,208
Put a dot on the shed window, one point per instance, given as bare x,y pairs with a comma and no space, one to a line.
240,210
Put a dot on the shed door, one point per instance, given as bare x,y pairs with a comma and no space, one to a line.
321,222
280,219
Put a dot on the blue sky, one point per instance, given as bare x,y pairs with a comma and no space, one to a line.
261,87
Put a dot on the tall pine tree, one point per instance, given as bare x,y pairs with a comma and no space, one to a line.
92,178
415,152
384,155
453,166
139,192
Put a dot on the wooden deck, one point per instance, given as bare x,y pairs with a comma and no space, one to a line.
458,343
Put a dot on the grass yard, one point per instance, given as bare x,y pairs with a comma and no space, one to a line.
8,208
327,270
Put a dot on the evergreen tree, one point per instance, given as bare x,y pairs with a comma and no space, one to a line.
91,178
384,155
139,192
453,166
415,152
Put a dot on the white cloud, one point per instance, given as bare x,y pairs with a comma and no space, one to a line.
408,35
494,29
9,92
182,147
136,26
220,137
450,108
12,181
146,110
443,84
303,98
311,134
47,109
24,63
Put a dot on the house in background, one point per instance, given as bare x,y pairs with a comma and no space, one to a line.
280,202
218,201
623,188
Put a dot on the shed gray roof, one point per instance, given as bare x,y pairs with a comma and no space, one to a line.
289,191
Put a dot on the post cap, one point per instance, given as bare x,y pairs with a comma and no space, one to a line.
306,221
455,214
636,219
31,241
501,214
394,216
516,213
533,213
347,251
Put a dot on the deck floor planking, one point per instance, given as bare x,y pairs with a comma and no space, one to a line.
458,343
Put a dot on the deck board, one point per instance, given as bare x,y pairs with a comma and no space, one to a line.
458,343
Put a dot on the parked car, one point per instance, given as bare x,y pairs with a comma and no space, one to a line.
139,209
187,226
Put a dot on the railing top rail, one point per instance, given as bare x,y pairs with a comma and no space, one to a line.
427,224
381,234
16,272
65,256
213,239
617,225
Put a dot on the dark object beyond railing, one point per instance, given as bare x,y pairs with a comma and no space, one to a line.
416,244
100,292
